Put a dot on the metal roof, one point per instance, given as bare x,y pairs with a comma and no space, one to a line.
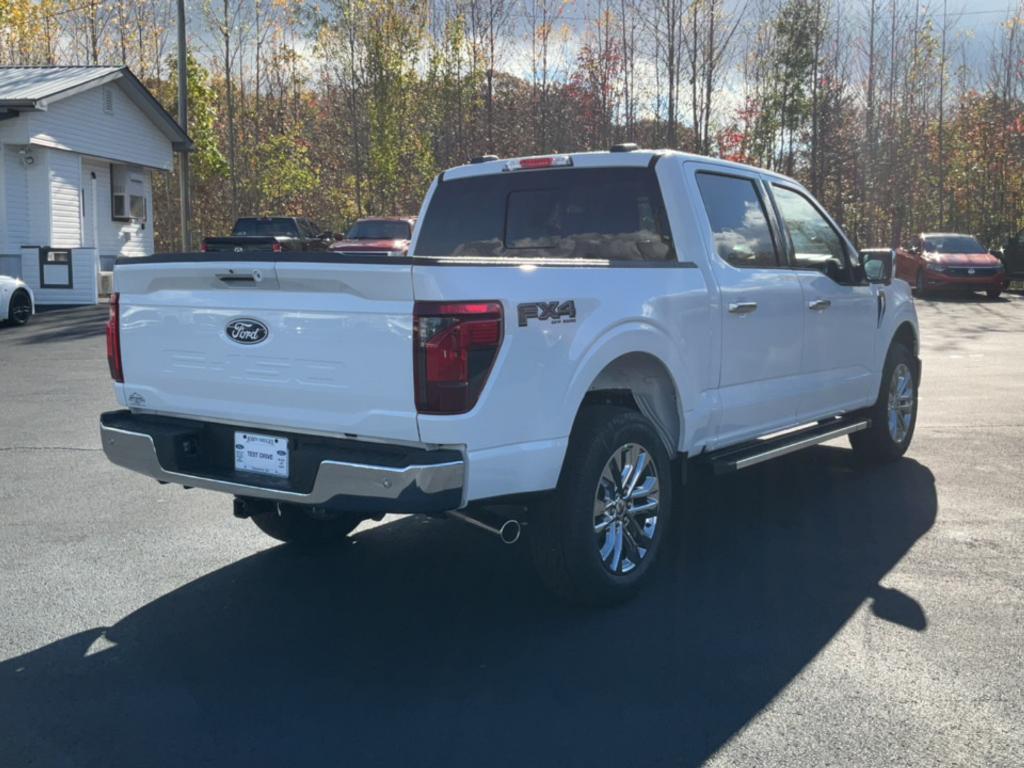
35,88
30,84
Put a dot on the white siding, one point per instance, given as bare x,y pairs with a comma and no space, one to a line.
140,242
37,180
118,238
65,200
15,201
85,275
3,202
79,123
10,264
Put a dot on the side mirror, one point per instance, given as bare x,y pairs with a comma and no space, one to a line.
879,265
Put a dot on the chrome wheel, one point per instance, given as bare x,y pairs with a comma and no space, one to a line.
626,508
901,403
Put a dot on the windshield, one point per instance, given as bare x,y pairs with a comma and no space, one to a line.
379,230
265,228
953,244
566,213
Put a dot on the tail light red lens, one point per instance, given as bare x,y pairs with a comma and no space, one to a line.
276,247
114,339
455,345
202,247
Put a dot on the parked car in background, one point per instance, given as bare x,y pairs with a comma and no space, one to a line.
17,304
378,234
271,233
1012,256
949,261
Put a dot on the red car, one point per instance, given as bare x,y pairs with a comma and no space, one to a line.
388,235
947,261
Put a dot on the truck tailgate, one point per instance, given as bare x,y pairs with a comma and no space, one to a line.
320,345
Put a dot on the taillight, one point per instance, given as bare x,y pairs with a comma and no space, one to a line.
454,346
276,247
202,247
114,339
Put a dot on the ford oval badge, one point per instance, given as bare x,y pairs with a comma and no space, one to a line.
245,330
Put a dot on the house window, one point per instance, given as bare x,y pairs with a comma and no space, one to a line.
127,194
55,269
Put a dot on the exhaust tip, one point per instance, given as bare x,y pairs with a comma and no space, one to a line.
510,531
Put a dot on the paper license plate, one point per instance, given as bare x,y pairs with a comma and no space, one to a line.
263,454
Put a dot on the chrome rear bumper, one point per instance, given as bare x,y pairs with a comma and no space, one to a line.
353,485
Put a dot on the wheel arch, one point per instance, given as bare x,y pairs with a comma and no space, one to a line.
642,381
19,290
906,334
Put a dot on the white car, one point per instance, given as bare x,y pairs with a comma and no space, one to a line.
568,334
17,305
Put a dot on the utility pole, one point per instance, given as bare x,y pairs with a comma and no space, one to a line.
184,187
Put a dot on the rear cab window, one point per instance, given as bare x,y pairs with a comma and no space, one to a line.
613,214
379,229
272,227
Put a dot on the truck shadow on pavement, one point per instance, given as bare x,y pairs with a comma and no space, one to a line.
427,643
62,324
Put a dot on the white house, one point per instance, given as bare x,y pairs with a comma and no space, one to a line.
78,147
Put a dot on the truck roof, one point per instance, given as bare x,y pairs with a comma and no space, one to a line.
604,159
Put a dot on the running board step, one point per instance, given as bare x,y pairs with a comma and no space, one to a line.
750,454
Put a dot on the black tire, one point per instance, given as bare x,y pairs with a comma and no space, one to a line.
879,443
995,293
293,525
919,284
565,544
20,309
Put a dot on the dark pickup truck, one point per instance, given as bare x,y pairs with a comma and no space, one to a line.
1012,256
271,233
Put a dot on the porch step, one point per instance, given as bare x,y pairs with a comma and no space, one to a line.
749,454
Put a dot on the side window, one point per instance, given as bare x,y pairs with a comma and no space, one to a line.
816,245
739,223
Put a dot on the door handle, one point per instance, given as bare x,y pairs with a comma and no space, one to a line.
255,276
819,304
742,307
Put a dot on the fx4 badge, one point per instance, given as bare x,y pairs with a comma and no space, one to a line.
555,311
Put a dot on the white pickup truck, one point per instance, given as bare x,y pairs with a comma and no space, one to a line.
568,333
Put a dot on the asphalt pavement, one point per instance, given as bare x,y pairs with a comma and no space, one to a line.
814,612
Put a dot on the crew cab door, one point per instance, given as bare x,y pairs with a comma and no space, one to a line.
760,306
840,309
